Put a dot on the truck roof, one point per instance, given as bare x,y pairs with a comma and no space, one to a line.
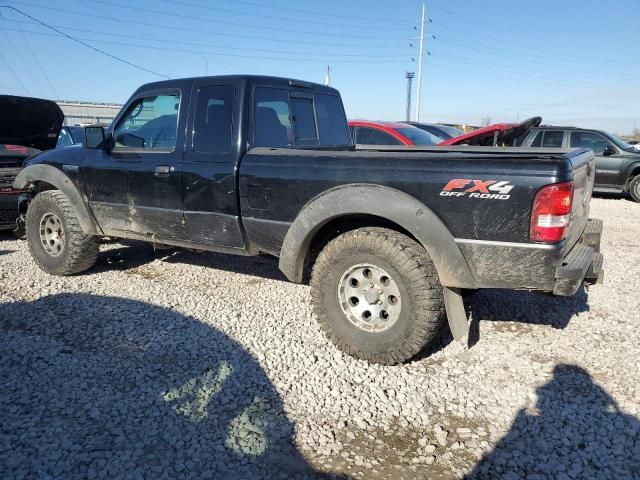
252,79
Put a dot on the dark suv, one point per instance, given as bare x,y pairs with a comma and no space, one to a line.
617,162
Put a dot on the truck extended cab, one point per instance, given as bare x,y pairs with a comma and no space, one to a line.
248,165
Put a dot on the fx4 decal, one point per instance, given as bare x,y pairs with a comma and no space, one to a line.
462,187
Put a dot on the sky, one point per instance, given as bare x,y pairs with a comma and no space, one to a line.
573,62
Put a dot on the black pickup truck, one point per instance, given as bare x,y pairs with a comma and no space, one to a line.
248,165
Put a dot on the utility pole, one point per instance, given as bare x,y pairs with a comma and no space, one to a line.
409,76
327,77
420,58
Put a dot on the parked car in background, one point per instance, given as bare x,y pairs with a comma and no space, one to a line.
365,132
248,165
617,162
444,132
496,135
70,135
27,125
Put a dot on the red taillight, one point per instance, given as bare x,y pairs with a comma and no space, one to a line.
19,149
551,212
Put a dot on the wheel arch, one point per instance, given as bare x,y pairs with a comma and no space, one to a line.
354,205
41,177
631,172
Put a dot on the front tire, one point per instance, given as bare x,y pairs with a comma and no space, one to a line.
377,296
634,188
55,239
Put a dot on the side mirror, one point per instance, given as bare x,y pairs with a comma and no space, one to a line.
93,137
608,150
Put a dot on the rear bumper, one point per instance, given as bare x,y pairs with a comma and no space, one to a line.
555,268
583,264
8,210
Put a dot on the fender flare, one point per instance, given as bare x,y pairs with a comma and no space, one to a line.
46,173
385,202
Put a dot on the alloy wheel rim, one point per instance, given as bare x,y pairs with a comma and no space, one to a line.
369,297
52,234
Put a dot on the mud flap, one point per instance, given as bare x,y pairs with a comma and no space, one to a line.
456,315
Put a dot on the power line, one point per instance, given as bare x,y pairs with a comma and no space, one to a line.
275,17
13,72
17,53
209,32
307,12
488,50
129,27
198,44
39,65
198,52
539,51
81,42
234,24
514,78
525,71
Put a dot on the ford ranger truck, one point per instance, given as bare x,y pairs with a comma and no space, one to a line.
392,236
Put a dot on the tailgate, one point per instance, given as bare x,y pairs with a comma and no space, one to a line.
584,173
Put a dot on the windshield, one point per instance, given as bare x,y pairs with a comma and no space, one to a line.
451,131
419,137
76,133
621,143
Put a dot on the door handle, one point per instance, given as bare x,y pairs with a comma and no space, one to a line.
162,170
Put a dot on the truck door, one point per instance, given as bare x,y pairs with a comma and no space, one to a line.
136,186
608,157
208,170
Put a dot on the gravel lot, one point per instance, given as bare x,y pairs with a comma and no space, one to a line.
188,365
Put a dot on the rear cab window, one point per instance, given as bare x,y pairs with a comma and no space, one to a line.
287,119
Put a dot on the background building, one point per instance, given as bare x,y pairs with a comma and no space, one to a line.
82,113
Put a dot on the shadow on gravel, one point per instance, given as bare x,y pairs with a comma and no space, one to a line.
128,255
6,252
262,266
132,254
106,387
523,307
575,430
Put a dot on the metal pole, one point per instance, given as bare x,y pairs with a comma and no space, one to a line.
409,76
420,56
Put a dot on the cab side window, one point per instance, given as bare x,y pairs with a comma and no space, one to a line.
552,138
537,141
272,118
150,123
594,141
371,136
214,119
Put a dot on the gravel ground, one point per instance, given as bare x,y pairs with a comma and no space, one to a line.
188,365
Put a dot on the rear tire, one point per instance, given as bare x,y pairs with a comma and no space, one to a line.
377,296
634,188
55,239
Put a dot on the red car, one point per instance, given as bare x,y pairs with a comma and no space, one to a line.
389,133
496,135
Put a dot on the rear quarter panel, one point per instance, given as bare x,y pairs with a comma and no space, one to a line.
275,185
